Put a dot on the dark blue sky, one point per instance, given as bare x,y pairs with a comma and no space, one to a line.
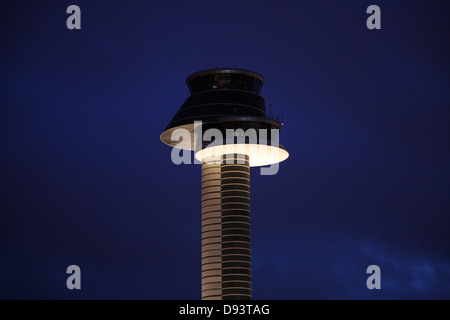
85,180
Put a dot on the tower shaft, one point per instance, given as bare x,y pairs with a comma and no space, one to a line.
226,253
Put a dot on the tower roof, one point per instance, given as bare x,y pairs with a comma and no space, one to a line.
224,71
225,78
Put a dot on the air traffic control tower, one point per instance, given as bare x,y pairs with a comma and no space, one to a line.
223,101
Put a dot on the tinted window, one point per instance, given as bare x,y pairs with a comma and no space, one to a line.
225,81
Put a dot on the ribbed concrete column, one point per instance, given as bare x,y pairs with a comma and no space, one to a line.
236,262
226,262
211,232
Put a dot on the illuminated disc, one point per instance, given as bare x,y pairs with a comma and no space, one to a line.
259,154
